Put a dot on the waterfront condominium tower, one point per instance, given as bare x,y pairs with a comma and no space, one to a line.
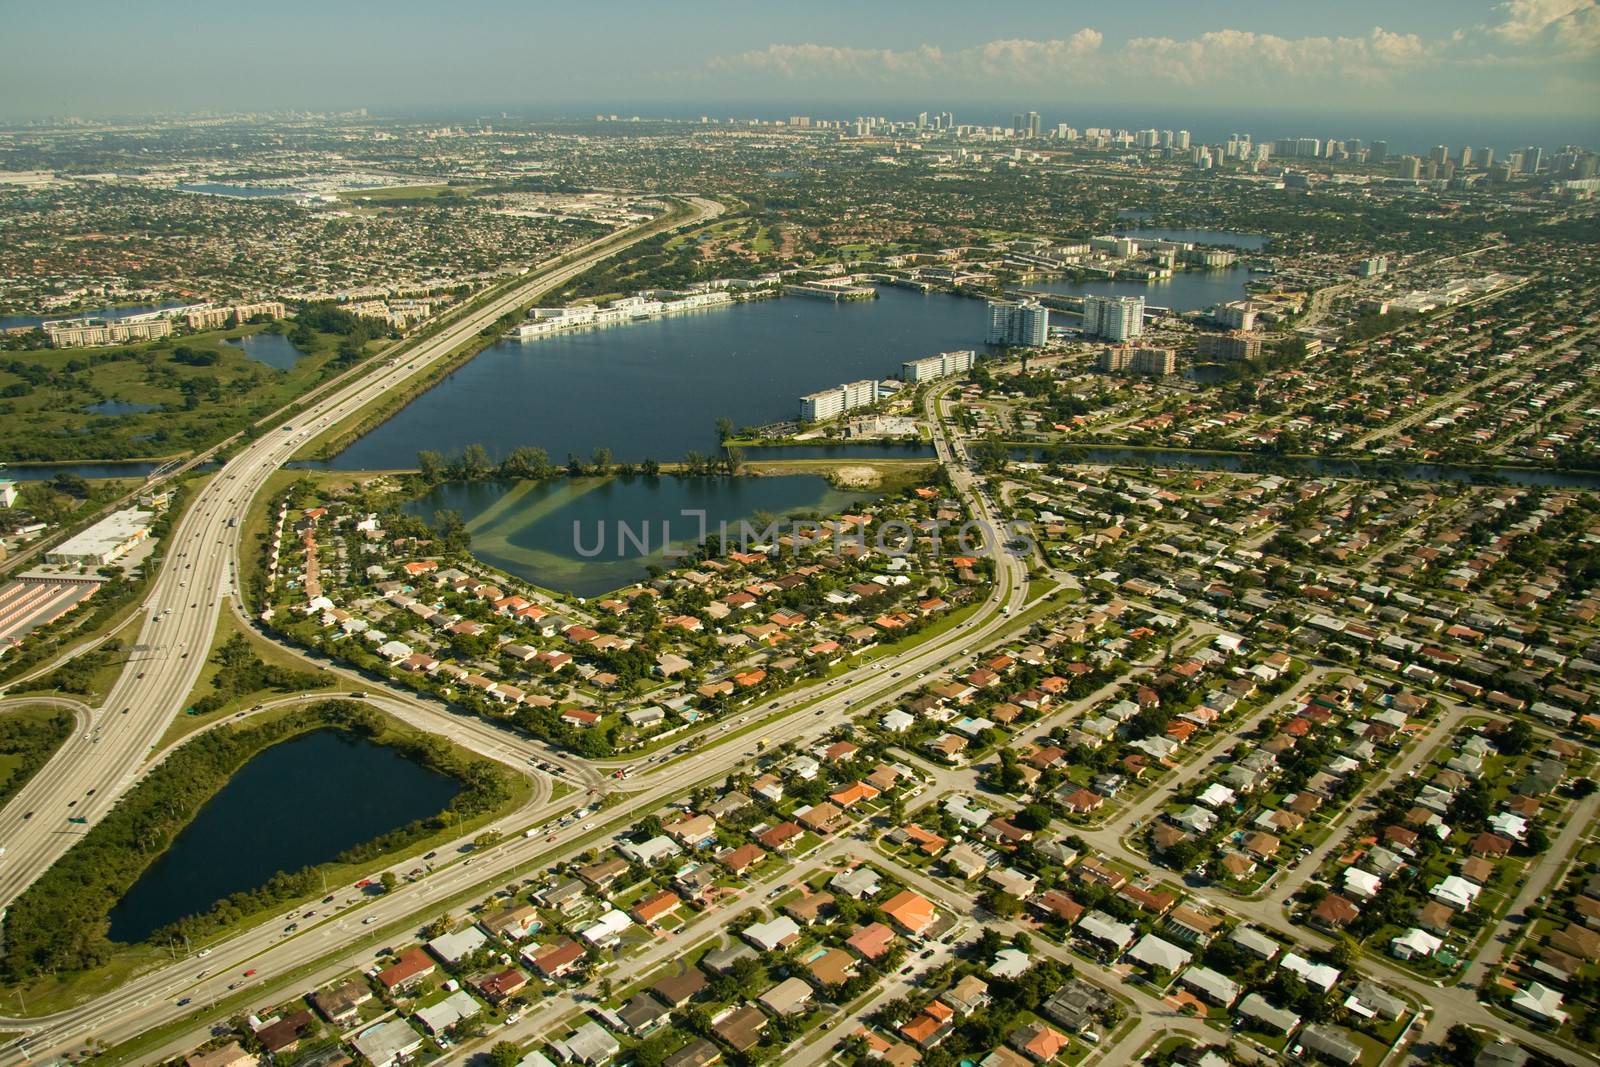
1116,318
1018,322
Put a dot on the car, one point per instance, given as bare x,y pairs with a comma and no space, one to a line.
251,973
203,953
182,1001
369,920
927,955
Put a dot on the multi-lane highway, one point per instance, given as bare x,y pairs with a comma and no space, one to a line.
180,613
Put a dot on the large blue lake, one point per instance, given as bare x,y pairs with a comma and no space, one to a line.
655,389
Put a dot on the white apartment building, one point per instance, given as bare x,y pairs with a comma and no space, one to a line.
828,403
940,366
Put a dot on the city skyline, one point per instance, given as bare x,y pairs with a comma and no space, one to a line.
1529,59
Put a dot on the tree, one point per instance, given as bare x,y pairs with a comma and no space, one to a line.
474,461
1000,903
389,881
724,429
1515,739
504,1054
602,461
431,466
1461,1046
1345,952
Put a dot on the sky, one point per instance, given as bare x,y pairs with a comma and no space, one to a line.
1461,60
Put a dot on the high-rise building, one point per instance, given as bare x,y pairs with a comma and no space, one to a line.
1410,168
1147,139
1377,151
1440,153
1466,157
1034,127
1532,159
1235,346
1117,318
1154,361
1018,322
1486,158
1182,140
922,120
1018,124
1235,315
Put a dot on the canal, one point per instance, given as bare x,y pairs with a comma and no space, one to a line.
296,804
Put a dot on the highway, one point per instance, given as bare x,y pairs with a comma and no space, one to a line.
115,748
86,777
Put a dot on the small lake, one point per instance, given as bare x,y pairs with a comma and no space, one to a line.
1186,290
1321,467
1251,242
7,321
564,534
301,802
246,192
119,407
654,389
273,349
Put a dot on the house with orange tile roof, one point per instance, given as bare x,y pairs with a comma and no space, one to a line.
853,794
910,911
931,1027
652,909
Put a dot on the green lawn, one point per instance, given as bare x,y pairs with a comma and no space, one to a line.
195,397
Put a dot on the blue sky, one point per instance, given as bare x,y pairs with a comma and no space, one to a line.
1446,58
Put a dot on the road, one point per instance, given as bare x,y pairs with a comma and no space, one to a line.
150,1000
198,574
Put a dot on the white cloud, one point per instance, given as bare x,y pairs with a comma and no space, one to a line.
1570,26
1221,56
1264,58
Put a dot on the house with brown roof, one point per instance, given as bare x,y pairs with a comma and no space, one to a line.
1489,845
823,818
1335,911
557,959
1054,904
652,909
780,838
742,858
412,966
871,941
809,908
